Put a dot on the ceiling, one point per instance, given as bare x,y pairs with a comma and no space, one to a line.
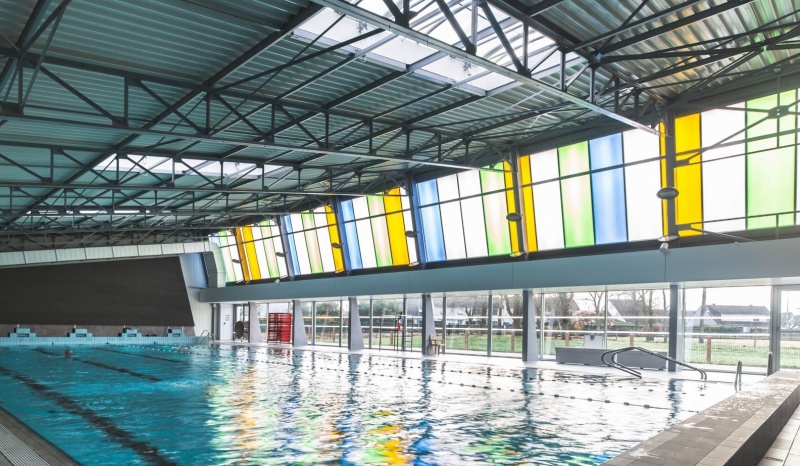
162,121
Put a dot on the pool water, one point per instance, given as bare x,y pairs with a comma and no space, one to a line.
237,405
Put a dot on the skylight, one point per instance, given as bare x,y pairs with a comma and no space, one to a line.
189,167
331,27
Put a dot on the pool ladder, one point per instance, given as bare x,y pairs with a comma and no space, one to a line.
208,337
613,361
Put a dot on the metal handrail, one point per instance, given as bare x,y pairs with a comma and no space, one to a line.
209,336
636,373
737,379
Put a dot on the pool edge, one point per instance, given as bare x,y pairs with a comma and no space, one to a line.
48,451
736,431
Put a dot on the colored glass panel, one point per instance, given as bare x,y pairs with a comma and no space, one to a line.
448,188
242,255
380,232
642,182
325,247
270,254
511,205
301,250
396,227
547,200
688,173
222,241
250,250
770,172
527,202
277,243
353,248
723,169
410,242
292,246
608,190
431,221
347,210
495,211
576,195
312,242
338,254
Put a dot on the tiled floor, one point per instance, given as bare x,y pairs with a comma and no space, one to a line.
785,451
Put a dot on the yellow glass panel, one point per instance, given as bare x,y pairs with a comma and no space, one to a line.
333,231
662,143
396,226
250,248
688,173
242,255
527,202
512,206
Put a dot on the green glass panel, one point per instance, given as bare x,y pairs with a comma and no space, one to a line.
770,170
314,257
576,195
495,211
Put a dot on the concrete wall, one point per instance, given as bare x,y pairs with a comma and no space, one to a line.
764,262
194,274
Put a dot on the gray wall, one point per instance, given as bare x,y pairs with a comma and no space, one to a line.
764,262
194,275
141,292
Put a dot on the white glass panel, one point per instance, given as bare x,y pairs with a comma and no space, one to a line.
719,125
547,200
448,188
475,231
469,183
261,254
642,182
453,231
236,262
302,250
360,208
724,194
547,209
366,243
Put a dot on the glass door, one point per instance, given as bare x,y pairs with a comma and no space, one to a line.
786,328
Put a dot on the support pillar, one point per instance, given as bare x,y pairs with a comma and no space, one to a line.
298,326
530,343
676,333
428,325
355,339
255,324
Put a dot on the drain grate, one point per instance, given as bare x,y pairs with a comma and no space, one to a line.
17,452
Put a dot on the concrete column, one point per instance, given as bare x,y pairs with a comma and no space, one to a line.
676,332
298,328
255,325
355,339
530,342
428,325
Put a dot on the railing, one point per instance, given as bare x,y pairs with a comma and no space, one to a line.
208,337
737,379
613,354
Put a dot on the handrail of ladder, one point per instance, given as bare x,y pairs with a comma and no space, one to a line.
613,354
208,335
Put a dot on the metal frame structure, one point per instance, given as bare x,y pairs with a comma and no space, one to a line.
319,99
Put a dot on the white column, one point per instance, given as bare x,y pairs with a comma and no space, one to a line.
428,326
355,339
530,343
298,326
255,324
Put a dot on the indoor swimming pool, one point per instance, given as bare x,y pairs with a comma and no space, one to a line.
238,405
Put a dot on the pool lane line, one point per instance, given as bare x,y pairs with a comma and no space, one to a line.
140,355
146,451
106,366
442,382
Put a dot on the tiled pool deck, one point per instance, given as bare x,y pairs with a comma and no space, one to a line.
19,446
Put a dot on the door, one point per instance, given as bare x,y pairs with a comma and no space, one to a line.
786,328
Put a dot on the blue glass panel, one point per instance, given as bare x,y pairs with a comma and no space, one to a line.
353,251
287,223
427,193
432,233
608,190
347,211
